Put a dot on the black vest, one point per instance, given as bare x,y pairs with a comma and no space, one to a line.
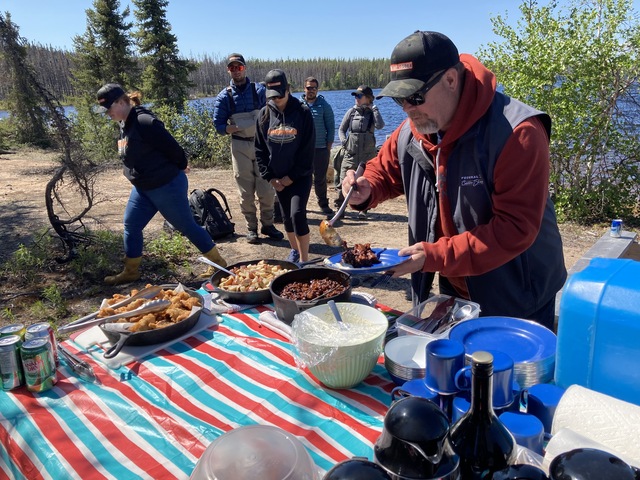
529,281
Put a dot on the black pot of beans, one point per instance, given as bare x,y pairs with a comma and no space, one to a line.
298,290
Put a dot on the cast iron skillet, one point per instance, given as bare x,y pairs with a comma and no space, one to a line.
152,337
286,309
259,297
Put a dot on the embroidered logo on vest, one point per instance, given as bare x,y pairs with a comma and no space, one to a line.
471,181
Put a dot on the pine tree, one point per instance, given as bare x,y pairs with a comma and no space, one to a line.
103,55
165,78
28,119
104,51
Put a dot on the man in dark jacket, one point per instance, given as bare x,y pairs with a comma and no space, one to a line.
474,167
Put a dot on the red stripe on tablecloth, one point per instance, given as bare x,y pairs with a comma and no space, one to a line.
288,389
286,357
112,433
18,456
257,407
174,428
46,423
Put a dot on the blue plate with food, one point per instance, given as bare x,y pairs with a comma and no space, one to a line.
362,259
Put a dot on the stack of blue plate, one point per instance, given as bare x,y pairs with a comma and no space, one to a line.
532,346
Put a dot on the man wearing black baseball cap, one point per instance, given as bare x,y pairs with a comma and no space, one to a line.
235,110
474,166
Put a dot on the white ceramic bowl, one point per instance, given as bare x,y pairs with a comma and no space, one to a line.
340,359
405,357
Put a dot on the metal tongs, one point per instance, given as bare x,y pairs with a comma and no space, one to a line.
151,306
148,292
327,231
78,366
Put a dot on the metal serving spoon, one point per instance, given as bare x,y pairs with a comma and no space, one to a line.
214,264
327,230
336,313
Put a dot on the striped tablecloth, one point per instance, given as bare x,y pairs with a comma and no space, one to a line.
154,418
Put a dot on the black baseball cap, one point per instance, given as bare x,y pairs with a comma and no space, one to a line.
276,83
364,90
235,58
414,61
107,95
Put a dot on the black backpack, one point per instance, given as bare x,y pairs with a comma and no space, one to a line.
208,212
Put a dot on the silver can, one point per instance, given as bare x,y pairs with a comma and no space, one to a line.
616,228
43,329
14,329
11,375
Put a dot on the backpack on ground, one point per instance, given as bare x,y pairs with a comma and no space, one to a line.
208,212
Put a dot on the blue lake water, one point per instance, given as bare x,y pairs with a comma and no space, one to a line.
340,101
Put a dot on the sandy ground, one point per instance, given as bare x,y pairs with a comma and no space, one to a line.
24,175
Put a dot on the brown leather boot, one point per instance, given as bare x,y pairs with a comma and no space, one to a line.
129,274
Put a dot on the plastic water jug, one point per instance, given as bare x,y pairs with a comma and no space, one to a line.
599,329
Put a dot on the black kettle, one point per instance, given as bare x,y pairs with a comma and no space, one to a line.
414,442
591,464
356,468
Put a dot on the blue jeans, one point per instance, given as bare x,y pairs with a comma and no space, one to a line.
172,203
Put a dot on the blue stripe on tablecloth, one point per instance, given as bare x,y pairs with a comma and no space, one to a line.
263,362
334,432
239,326
146,427
220,405
28,432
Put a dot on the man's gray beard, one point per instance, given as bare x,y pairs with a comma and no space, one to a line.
426,129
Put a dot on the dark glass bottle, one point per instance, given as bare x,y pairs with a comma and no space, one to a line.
480,439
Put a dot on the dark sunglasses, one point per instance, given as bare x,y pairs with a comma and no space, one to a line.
236,68
276,97
358,95
418,98
311,88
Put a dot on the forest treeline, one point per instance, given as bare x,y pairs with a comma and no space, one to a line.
54,68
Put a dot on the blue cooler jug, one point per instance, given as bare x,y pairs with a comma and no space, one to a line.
599,329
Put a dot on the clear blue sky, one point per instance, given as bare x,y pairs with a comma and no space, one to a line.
299,29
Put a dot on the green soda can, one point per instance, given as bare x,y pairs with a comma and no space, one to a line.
39,370
10,362
14,329
43,329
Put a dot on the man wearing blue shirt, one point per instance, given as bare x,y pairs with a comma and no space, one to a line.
325,126
235,111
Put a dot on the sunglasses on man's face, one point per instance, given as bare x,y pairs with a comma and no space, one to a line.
311,88
418,98
358,95
236,68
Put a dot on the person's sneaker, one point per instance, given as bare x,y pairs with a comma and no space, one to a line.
294,256
252,237
362,215
337,202
272,232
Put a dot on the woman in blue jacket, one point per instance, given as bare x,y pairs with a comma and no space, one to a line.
155,164
285,146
